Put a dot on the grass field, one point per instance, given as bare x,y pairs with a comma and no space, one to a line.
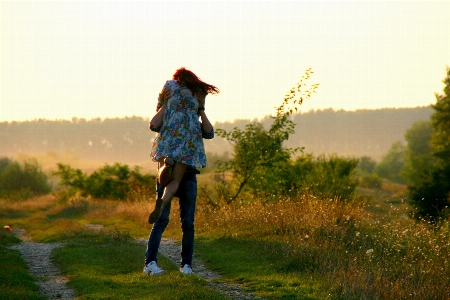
302,248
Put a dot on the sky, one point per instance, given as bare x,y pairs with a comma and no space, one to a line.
106,59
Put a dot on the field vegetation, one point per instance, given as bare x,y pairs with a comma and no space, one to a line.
304,247
283,226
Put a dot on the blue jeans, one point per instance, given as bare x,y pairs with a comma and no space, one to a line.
187,195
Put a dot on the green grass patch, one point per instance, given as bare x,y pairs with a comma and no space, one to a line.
259,267
303,248
15,282
108,265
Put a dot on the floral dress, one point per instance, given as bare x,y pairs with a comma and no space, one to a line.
180,136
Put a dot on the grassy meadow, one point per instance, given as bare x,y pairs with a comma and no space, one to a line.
298,248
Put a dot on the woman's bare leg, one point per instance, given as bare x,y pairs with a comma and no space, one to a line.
169,191
172,187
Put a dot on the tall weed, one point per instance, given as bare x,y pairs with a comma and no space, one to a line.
363,256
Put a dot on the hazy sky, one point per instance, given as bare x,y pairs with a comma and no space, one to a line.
88,59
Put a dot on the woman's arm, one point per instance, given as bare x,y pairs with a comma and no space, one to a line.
163,97
157,119
206,124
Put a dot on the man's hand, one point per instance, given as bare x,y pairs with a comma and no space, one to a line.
164,95
201,100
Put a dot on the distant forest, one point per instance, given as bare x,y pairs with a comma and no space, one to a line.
128,140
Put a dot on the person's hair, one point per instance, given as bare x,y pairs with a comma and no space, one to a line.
193,83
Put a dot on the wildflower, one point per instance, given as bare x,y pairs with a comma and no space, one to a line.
357,233
369,251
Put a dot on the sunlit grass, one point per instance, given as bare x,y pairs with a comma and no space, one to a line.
260,267
12,207
361,254
301,248
108,265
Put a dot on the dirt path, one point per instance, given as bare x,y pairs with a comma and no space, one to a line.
53,285
172,250
37,256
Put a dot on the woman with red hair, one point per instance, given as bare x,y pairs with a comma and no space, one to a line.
179,146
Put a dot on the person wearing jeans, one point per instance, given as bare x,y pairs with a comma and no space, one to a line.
187,195
181,125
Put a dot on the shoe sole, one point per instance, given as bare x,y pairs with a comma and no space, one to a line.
156,213
155,274
186,273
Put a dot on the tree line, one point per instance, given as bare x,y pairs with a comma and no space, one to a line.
259,153
345,133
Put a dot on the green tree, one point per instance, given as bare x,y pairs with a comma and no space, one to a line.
440,120
430,194
391,165
419,158
23,180
257,150
366,165
4,163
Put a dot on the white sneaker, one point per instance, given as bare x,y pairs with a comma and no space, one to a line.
152,269
186,269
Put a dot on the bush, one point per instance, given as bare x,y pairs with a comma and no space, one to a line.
280,180
366,165
111,181
257,151
430,196
370,181
326,177
22,181
393,163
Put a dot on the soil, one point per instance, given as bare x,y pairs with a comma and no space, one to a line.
37,256
53,285
172,250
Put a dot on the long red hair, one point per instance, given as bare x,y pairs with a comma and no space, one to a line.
193,83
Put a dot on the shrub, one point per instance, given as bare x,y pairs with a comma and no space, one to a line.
258,151
392,164
366,165
332,177
111,181
328,177
22,181
370,181
429,196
